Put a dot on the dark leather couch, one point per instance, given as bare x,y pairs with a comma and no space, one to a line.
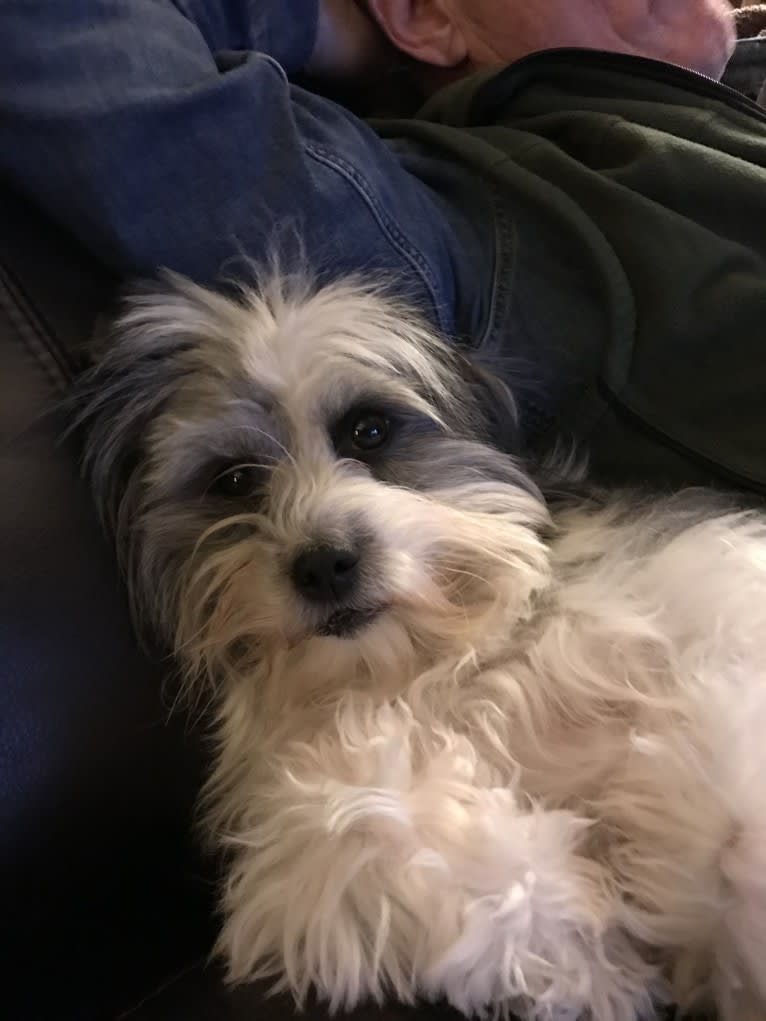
106,905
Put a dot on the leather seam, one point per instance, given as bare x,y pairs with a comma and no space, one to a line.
169,982
33,332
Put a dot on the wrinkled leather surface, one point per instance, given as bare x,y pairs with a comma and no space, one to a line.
101,892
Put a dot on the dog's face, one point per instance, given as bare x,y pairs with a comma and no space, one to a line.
308,474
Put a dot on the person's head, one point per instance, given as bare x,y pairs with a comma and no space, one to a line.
459,36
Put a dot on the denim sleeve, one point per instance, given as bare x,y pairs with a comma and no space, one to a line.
167,133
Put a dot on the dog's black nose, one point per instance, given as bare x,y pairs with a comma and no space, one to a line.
325,574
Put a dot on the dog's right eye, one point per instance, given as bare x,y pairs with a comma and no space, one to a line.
363,433
236,483
369,432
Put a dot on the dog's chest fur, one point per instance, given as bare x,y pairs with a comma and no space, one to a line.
586,706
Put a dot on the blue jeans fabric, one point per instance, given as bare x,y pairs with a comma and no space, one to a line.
167,133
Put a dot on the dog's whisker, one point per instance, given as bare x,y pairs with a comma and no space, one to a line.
260,465
272,439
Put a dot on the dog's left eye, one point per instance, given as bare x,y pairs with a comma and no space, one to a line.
236,483
364,432
369,431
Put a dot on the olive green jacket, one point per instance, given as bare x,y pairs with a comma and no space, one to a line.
631,254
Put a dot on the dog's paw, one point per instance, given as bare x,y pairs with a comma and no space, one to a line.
537,931
392,863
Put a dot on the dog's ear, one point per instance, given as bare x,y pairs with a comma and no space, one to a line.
136,365
493,406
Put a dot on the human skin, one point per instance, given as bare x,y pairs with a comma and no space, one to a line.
460,36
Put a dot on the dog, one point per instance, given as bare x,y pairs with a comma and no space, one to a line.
471,742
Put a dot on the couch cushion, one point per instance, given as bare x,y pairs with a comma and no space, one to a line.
102,891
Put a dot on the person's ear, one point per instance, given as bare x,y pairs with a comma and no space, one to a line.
425,29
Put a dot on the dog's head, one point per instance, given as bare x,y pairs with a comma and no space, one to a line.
308,475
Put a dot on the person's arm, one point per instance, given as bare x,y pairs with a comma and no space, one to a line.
119,119
167,134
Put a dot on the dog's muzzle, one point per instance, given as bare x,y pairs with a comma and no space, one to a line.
326,574
330,577
348,622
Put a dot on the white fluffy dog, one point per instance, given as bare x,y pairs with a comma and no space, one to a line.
470,743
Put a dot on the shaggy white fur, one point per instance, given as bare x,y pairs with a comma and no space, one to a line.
522,764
